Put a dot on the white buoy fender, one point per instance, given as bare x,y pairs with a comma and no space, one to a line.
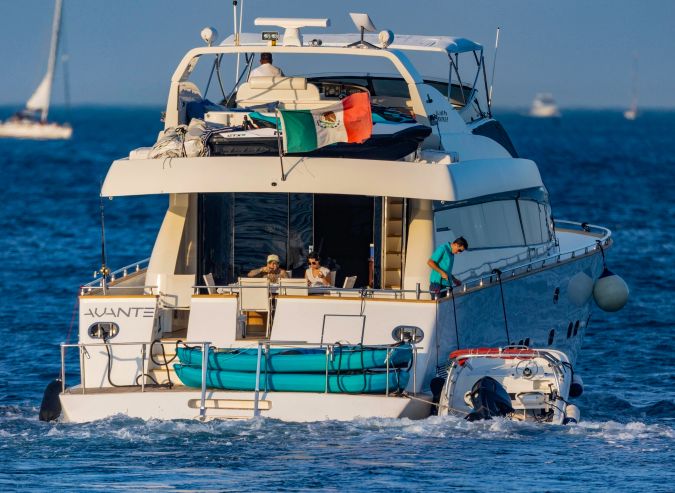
610,292
580,288
572,414
577,386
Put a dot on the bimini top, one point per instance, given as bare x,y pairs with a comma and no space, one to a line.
406,42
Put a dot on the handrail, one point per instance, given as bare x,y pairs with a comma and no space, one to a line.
603,236
124,271
206,345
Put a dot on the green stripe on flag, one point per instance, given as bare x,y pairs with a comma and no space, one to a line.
299,131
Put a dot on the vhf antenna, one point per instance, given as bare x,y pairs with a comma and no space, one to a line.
104,268
494,63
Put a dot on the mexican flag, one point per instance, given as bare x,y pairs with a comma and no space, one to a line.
349,120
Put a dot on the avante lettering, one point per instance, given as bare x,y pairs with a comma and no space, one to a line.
130,312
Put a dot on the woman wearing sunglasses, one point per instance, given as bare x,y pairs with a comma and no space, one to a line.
316,275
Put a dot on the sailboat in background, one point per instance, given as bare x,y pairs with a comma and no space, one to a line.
31,122
631,112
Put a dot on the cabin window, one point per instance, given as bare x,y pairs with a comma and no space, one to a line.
496,222
576,327
551,336
569,330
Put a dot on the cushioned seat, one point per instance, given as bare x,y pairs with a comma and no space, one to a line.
289,92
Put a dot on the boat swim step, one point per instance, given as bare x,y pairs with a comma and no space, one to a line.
234,404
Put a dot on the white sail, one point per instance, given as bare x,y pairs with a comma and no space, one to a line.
40,99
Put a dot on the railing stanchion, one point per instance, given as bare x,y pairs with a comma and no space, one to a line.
83,372
414,348
63,368
325,391
387,384
257,381
205,361
143,368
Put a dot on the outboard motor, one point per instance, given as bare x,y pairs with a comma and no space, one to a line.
50,409
436,385
489,399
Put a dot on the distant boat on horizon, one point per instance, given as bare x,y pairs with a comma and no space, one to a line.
31,122
632,111
544,106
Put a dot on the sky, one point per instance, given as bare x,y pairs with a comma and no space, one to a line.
123,52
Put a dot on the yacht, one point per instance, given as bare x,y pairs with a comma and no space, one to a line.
31,122
187,334
544,106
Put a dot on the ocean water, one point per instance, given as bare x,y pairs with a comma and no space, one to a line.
598,167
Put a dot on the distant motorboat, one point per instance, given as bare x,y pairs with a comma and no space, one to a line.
31,122
543,106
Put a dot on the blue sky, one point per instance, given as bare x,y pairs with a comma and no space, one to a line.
124,51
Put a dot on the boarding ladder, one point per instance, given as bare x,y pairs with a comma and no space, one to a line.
393,233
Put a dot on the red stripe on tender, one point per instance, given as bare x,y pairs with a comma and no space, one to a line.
358,118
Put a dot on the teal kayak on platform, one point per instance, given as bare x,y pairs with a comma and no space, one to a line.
300,360
367,382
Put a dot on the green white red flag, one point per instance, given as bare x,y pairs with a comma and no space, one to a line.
350,120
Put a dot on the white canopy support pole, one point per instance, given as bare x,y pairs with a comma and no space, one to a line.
494,63
236,37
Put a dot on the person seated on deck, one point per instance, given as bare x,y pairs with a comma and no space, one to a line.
441,262
316,275
272,270
266,69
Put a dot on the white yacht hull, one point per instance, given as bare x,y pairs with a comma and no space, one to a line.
184,403
537,303
35,130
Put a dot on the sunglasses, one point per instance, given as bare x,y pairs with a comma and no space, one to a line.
313,262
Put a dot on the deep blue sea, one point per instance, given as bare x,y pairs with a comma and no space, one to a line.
598,167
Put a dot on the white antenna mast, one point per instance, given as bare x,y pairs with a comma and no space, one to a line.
236,36
494,63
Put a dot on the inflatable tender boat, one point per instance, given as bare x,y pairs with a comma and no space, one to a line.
514,382
300,360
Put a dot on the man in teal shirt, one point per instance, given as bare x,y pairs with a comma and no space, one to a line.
441,262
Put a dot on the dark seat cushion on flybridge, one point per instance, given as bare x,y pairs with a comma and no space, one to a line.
389,142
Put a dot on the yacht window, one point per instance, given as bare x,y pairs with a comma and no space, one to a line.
551,336
397,88
498,221
535,224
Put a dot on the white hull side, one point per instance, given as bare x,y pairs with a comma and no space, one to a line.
532,310
183,403
35,130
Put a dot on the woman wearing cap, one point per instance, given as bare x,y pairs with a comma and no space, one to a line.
272,270
316,275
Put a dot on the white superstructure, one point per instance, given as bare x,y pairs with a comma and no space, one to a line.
377,209
544,106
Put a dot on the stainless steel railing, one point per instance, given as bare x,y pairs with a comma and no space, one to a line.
601,234
263,347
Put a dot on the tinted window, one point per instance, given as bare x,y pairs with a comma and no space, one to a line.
397,88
